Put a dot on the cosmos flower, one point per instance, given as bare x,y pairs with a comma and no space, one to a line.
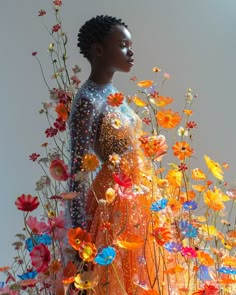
190,205
168,119
90,162
145,83
162,235
214,167
182,150
189,252
198,174
27,203
215,199
173,246
159,205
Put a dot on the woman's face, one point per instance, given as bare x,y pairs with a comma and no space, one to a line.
117,54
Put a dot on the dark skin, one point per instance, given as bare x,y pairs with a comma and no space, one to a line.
112,55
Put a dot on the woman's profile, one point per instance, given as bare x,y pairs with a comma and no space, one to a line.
113,207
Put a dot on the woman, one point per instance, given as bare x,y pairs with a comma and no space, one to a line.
114,206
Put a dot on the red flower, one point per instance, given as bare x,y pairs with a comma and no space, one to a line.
33,157
57,2
50,132
56,28
26,203
122,179
40,257
191,125
58,170
34,53
60,125
41,12
147,121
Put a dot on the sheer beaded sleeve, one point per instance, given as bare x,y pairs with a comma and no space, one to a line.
83,128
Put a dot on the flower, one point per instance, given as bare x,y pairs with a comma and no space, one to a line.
162,235
87,251
190,205
227,270
145,83
198,174
189,252
36,240
41,12
161,101
138,101
40,257
214,167
90,162
191,125
85,281
57,2
166,76
62,111
168,119
156,70
173,246
187,229
27,203
122,180
182,131
154,146
33,157
110,195
205,259
159,205
50,132
34,53
214,199
76,236
116,99
106,256
56,28
59,170
182,150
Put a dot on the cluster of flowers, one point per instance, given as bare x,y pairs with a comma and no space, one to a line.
192,199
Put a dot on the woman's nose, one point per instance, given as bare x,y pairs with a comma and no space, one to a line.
130,52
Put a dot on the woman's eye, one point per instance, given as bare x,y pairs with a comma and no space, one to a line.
123,45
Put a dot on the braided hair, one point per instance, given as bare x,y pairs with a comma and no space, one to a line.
95,30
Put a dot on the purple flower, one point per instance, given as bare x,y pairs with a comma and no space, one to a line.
173,246
190,205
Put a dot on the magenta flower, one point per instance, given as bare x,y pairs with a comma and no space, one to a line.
40,257
33,157
189,251
37,227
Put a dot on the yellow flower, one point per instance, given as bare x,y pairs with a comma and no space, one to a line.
110,195
90,162
174,178
188,112
214,167
205,258
145,83
214,199
138,101
198,174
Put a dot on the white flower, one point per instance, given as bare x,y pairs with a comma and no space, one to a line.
182,131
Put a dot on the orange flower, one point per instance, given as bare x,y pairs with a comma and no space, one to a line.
214,199
188,112
138,101
168,119
229,261
175,269
182,150
189,196
115,99
198,174
214,167
4,268
130,241
59,170
69,272
162,101
205,258
62,111
199,188
90,162
76,236
162,235
154,146
86,280
145,83
87,251
174,204
150,292
55,266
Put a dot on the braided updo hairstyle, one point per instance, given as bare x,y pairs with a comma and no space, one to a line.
95,30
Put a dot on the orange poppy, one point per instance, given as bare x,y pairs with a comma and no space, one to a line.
90,162
182,150
62,111
205,258
168,119
130,241
115,99
162,235
76,236
145,83
162,101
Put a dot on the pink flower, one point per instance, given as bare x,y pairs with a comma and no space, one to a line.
40,257
57,2
189,251
56,28
33,157
166,76
27,203
41,12
75,81
59,170
37,227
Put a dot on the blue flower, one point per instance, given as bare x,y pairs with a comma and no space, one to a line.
173,246
203,273
187,229
159,205
190,205
2,284
106,256
227,270
28,275
30,243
